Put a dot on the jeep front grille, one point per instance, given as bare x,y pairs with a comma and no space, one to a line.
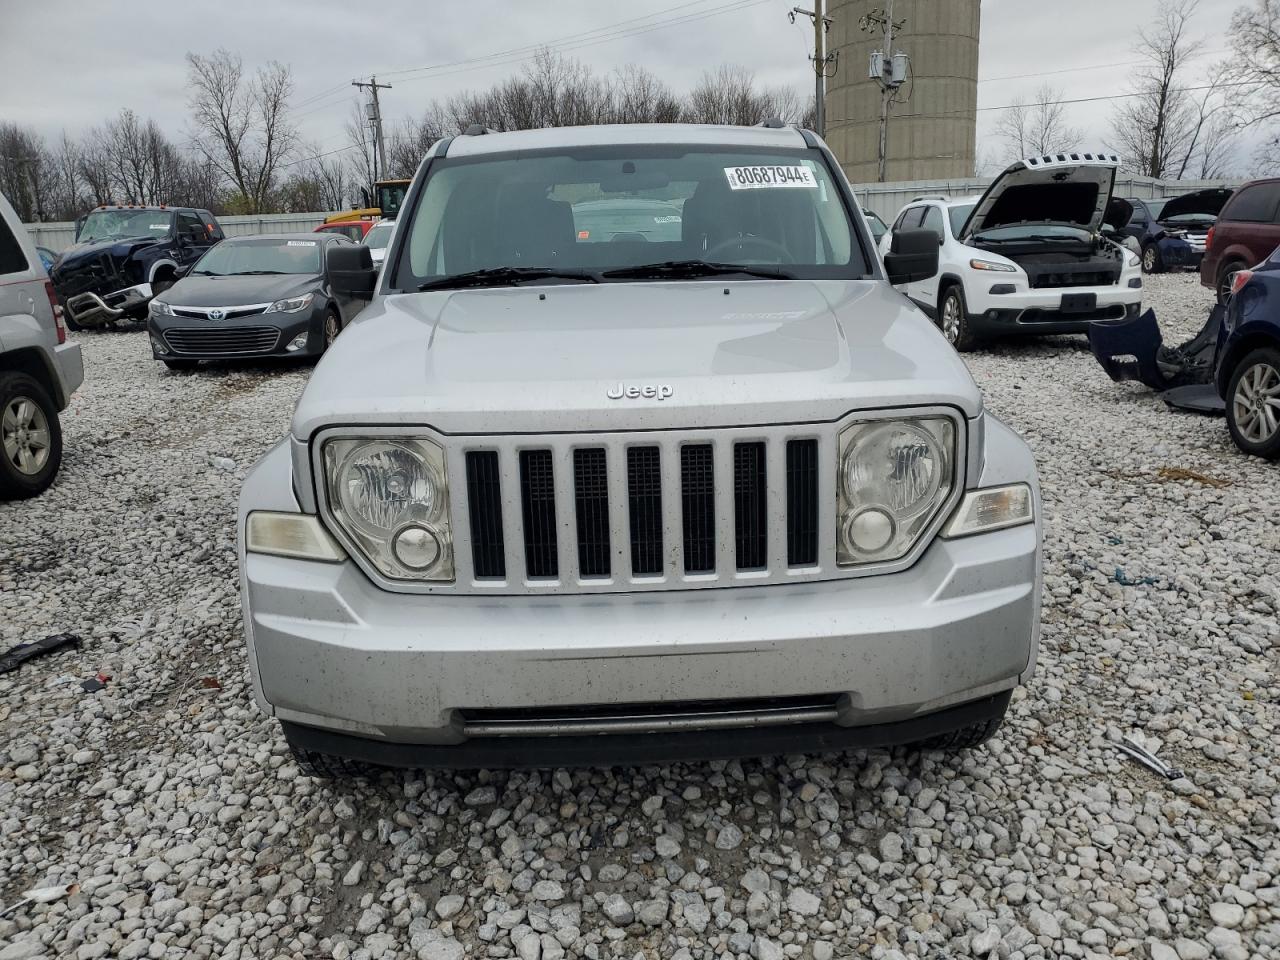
625,512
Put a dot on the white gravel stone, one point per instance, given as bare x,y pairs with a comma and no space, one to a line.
177,808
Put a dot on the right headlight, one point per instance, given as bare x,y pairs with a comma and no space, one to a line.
391,497
161,309
895,475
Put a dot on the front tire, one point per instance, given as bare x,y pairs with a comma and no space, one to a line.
332,327
30,437
1152,262
1253,404
953,319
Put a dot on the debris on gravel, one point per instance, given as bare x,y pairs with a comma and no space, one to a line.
176,807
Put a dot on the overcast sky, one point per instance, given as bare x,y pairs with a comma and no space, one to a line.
109,54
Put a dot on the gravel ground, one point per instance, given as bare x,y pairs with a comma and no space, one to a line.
177,810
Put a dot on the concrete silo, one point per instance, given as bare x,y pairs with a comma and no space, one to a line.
931,134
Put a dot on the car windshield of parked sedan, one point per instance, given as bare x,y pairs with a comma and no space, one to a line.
379,236
232,258
119,224
627,213
957,216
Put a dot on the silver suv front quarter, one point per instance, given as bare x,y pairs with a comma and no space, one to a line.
578,487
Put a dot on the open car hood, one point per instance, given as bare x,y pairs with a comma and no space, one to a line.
1119,213
1206,203
1066,189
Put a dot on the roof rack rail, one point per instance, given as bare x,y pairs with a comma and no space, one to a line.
930,196
773,123
476,130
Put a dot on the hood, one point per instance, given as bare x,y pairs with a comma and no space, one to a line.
1202,203
1067,190
547,358
200,291
1119,213
115,246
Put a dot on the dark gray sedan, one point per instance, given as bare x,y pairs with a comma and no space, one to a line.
249,297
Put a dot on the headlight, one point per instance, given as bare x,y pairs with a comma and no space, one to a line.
391,497
894,477
1131,259
993,266
161,309
292,305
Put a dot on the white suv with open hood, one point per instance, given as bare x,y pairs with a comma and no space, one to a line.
1030,256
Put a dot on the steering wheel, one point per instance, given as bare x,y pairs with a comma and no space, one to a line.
763,243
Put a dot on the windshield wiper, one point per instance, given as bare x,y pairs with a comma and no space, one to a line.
206,273
693,268
503,276
254,273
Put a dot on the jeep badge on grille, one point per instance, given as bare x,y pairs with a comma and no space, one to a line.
649,391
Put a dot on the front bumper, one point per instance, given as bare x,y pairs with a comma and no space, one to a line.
91,309
351,668
70,364
240,338
1176,253
1015,321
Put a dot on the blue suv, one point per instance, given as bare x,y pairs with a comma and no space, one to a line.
1247,363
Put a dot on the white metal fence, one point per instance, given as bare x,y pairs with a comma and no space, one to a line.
58,236
886,199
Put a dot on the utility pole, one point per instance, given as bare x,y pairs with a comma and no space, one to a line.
824,64
888,69
374,111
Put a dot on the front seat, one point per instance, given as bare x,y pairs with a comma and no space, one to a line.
539,231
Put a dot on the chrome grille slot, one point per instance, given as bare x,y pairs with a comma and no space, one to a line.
484,491
644,491
538,503
591,502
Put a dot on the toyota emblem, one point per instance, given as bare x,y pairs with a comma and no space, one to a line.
217,314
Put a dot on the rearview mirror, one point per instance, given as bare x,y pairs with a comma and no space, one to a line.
350,271
912,256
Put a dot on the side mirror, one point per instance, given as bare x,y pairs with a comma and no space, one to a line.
912,256
350,271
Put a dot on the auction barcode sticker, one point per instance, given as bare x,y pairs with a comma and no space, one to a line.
769,177
300,243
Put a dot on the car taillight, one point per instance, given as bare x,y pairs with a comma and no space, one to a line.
1208,239
1239,279
57,311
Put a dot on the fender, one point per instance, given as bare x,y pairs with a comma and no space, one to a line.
151,274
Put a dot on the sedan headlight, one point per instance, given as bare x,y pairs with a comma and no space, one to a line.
895,475
161,309
292,305
391,497
992,266
1131,259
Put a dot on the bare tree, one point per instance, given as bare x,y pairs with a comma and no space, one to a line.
1038,127
241,123
1156,127
410,142
1255,41
729,95
25,171
361,155
638,96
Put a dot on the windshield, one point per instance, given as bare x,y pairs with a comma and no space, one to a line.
626,207
957,216
379,236
390,196
111,224
260,256
1155,206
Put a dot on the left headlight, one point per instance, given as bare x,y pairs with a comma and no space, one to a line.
161,309
391,497
1131,259
895,475
292,305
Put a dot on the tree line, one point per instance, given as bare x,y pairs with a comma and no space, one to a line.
1186,108
243,154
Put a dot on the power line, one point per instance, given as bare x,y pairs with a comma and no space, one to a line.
1053,103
